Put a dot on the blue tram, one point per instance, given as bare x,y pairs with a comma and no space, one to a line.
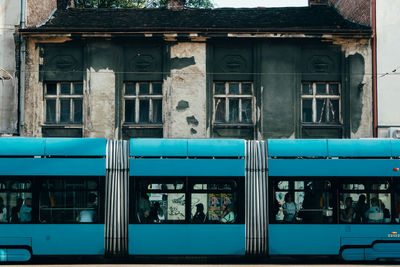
199,197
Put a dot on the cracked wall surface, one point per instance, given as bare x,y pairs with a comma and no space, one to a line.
187,82
9,18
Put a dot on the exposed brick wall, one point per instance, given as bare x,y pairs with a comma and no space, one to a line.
39,10
355,10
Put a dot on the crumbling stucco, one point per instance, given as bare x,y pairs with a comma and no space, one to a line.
34,104
189,84
39,10
363,48
9,17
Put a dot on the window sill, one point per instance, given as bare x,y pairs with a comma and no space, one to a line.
132,126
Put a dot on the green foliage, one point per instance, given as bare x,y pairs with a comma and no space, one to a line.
139,3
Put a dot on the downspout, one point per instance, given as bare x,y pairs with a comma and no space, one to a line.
374,71
22,54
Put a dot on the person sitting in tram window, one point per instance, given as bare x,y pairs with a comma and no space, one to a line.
360,210
289,208
228,216
3,211
156,213
143,208
199,216
25,213
346,215
89,215
15,211
374,213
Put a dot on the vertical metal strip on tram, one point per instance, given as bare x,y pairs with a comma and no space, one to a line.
256,198
116,200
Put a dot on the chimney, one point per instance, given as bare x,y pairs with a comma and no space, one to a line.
63,4
317,2
176,4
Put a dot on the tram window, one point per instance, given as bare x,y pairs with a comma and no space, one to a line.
283,185
369,202
213,208
160,200
69,201
21,185
214,201
15,201
396,210
306,201
353,186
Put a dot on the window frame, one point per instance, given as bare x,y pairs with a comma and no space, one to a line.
314,97
188,183
58,97
137,97
99,190
229,96
275,188
10,190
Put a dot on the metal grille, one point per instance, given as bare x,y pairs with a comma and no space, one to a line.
256,198
116,202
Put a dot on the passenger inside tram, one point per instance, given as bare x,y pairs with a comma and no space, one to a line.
289,208
347,213
199,216
3,211
228,216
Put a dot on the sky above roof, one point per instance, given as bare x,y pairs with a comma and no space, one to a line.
259,3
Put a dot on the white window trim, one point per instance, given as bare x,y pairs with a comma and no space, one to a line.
226,96
136,97
58,96
314,98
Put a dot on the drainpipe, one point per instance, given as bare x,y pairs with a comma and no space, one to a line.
22,54
374,70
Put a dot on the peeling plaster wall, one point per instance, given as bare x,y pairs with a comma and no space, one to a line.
187,82
9,18
33,93
38,10
361,124
100,90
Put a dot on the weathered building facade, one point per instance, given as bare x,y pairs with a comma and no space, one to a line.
196,73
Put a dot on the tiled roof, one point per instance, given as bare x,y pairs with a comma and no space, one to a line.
318,18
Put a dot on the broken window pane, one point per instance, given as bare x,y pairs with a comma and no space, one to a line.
321,110
157,88
157,111
130,89
220,110
50,111
246,110
78,110
307,89
234,88
334,89
65,89
233,110
144,106
219,88
307,110
51,88
333,110
321,89
144,88
129,110
246,88
65,111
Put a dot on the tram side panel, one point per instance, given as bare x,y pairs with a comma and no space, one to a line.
328,187
57,176
191,176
